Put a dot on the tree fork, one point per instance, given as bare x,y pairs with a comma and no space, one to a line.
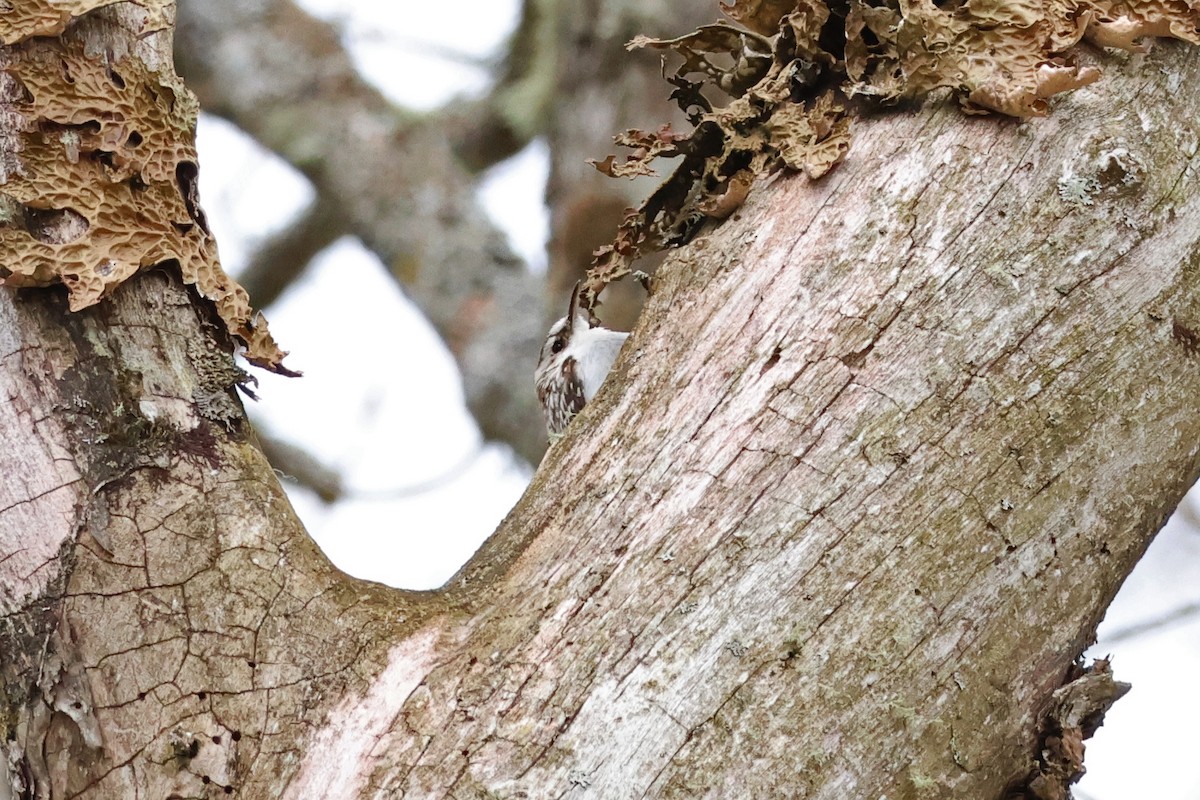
874,463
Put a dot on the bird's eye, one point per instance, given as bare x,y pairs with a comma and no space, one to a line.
557,346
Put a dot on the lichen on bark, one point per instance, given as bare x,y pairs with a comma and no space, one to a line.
794,71
99,170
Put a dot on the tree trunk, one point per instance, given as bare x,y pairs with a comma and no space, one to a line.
875,460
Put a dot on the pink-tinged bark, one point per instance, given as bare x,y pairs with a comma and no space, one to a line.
866,475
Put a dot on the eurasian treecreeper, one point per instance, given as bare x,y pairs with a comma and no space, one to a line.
575,359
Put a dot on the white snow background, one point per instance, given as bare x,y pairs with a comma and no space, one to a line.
424,489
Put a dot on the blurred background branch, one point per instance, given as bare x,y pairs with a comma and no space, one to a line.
280,259
284,78
1186,613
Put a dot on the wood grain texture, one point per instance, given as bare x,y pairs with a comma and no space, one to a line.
866,475
877,458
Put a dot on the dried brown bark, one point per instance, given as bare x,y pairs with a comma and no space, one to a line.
602,90
873,464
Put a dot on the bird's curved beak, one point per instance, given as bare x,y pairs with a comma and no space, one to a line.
573,308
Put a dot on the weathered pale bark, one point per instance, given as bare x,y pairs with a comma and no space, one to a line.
874,462
882,452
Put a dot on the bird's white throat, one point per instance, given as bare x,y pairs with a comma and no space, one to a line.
594,351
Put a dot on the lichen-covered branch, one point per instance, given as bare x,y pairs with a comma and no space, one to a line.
99,178
516,108
777,93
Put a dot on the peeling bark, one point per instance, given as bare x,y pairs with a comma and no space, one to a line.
99,164
875,460
600,91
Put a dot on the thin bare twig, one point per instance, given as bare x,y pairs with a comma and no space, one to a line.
438,481
1182,614
301,467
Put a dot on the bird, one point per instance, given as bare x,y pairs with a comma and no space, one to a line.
576,357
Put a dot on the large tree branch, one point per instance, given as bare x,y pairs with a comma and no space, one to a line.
928,415
489,130
866,476
913,432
